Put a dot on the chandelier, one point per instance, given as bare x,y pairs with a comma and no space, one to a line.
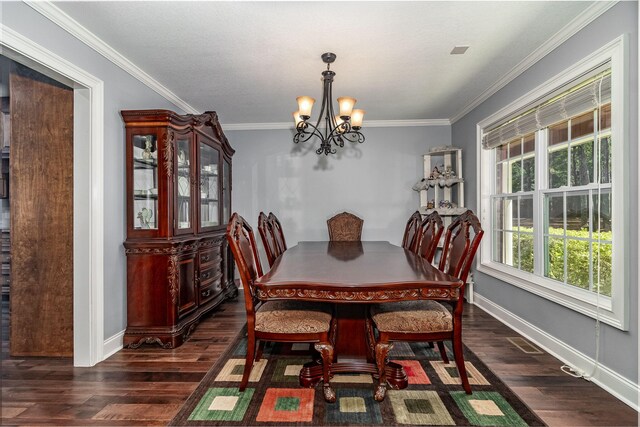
337,127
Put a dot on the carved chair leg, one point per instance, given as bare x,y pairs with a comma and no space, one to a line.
382,350
443,352
326,351
248,363
260,350
462,370
333,336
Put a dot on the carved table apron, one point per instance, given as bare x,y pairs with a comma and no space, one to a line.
354,275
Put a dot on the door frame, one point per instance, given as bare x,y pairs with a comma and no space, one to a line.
88,190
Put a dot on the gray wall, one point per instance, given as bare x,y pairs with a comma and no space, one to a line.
373,181
121,91
619,349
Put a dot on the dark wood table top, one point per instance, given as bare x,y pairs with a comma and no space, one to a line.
354,272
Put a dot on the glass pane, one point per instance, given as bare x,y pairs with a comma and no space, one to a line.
509,217
208,186
558,133
582,163
226,189
582,125
554,214
501,178
515,148
605,117
578,215
512,254
529,144
602,267
498,247
516,176
145,182
605,159
501,152
578,263
526,214
554,260
526,252
184,184
529,174
558,168
602,214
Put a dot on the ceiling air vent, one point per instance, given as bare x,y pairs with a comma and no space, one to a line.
459,50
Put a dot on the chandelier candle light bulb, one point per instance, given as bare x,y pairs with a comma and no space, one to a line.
335,128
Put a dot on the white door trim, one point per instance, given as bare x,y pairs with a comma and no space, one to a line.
88,213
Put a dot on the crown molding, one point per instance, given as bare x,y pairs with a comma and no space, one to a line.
579,22
64,21
367,124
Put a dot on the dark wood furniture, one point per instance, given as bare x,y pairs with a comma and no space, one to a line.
345,227
278,233
431,230
178,201
265,229
280,321
355,275
411,237
430,320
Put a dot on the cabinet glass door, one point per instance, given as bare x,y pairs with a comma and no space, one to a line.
209,197
226,190
184,183
145,182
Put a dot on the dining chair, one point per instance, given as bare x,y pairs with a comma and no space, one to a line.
411,238
279,321
278,234
345,227
431,230
265,228
429,320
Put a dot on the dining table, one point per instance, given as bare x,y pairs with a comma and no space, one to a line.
354,275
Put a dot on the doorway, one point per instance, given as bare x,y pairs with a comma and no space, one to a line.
88,195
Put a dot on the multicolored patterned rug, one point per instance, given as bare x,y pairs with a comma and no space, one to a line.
274,396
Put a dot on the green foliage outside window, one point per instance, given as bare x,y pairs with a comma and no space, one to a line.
577,257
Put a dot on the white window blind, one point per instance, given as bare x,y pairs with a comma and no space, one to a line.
589,94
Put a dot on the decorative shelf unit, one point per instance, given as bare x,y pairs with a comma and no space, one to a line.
179,266
442,187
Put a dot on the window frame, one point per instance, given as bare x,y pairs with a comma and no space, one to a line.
612,310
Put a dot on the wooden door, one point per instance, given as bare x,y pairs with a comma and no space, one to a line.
41,199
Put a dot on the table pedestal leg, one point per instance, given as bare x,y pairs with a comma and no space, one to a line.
311,373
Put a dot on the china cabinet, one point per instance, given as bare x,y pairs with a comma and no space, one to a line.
179,266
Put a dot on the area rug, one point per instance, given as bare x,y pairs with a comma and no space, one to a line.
274,397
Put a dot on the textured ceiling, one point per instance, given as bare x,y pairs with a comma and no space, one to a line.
249,60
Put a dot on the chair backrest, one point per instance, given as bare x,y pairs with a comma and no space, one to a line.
243,247
265,228
459,246
278,234
411,237
430,231
345,227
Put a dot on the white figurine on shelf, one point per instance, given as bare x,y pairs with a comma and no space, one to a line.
146,154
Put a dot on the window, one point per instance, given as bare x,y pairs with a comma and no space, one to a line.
552,180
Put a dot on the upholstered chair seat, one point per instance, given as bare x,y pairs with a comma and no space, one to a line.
291,317
412,317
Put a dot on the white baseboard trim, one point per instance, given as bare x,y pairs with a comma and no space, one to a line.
113,344
619,386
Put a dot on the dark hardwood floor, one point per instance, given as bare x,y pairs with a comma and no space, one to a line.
148,386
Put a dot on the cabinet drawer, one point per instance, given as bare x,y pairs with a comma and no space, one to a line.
210,289
210,255
210,273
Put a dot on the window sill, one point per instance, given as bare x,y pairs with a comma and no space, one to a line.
574,299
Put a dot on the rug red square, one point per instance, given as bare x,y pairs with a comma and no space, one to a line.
287,405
